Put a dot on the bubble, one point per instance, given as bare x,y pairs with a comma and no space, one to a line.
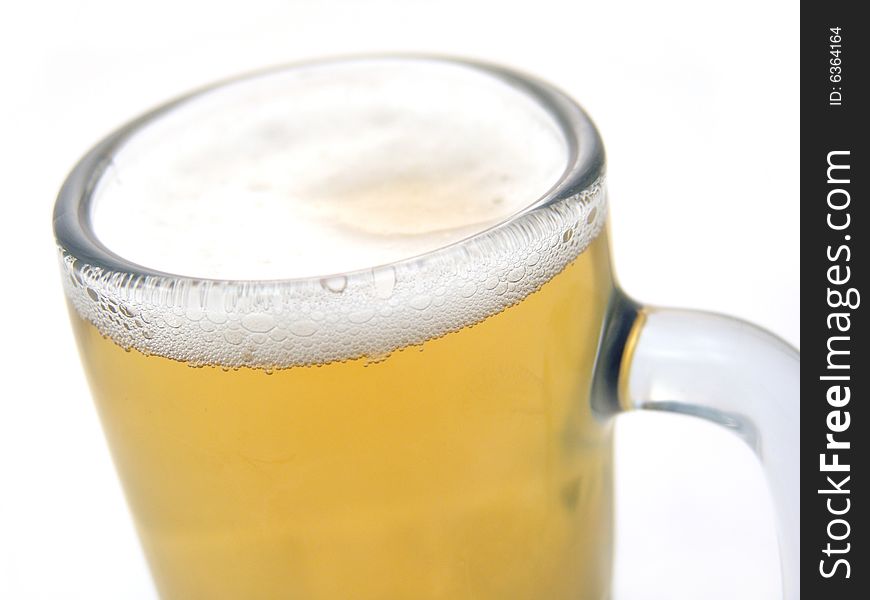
218,318
375,359
334,284
361,316
258,322
516,274
194,313
468,289
420,302
590,218
234,337
303,328
172,320
385,281
277,335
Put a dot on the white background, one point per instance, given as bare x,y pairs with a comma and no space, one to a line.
698,106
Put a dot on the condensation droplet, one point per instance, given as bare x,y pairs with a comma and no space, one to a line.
420,302
303,328
385,281
334,284
258,322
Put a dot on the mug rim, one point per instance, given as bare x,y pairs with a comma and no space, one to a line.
76,238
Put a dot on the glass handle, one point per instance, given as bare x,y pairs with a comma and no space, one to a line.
723,370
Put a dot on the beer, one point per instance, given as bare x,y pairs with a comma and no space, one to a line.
405,428
467,467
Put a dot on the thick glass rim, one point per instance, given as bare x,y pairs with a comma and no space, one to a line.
74,234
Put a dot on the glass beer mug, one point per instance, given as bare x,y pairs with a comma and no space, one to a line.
352,331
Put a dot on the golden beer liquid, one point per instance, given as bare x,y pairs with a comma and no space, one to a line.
470,467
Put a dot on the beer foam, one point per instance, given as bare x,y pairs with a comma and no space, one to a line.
290,209
326,169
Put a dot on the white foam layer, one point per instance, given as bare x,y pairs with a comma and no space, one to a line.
316,321
326,169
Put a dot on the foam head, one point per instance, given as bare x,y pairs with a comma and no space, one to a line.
269,221
326,169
